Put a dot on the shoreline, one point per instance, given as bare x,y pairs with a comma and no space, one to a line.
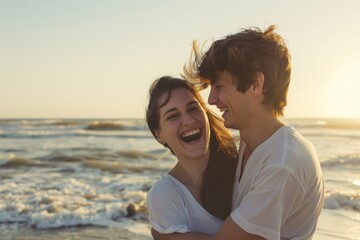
329,228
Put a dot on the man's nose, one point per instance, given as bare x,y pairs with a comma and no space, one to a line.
212,99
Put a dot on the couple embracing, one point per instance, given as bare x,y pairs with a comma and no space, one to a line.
272,186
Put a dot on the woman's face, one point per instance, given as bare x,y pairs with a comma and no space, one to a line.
184,125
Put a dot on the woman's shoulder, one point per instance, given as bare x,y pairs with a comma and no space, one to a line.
165,187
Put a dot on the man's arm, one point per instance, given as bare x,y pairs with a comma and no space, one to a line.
229,231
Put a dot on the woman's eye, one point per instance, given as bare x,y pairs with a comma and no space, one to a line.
194,108
173,116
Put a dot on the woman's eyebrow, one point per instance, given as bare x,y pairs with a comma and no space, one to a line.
174,109
169,111
192,102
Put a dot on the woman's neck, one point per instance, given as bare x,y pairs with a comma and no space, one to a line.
190,174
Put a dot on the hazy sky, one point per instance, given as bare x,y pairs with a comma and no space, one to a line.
87,58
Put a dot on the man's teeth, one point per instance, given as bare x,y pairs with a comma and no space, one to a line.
192,132
223,109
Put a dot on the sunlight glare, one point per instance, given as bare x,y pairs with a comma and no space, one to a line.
343,92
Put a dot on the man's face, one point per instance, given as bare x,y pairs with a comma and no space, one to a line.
234,105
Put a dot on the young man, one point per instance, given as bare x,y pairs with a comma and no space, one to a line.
279,189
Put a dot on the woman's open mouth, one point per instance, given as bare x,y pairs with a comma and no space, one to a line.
191,135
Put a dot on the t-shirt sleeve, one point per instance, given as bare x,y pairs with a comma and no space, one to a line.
166,209
275,193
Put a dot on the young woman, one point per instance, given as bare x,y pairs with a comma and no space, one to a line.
196,194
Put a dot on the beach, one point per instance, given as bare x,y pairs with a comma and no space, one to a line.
88,178
16,232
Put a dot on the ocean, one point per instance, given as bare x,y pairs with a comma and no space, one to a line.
88,178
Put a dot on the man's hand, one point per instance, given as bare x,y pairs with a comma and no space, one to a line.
156,235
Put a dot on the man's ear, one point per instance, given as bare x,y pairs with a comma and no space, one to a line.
258,85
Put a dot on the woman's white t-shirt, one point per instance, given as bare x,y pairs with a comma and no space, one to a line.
173,209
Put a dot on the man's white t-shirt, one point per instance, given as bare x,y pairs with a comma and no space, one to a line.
172,208
281,191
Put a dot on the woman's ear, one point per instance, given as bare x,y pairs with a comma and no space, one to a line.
158,136
258,85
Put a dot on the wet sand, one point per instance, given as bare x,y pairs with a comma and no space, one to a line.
16,232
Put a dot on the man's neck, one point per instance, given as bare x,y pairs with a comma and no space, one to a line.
259,130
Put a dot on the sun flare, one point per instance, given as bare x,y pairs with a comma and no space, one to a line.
343,93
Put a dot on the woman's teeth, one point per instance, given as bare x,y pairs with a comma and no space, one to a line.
191,135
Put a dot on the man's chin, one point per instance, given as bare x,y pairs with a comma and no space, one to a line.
227,123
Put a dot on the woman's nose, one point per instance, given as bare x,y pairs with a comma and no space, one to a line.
188,119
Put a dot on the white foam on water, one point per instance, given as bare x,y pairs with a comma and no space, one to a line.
49,202
337,199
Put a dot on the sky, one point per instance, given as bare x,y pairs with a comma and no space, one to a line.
97,58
